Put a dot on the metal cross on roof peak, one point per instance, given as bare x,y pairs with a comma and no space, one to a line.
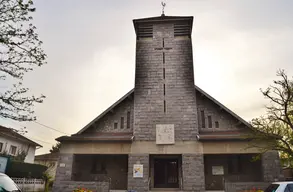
163,8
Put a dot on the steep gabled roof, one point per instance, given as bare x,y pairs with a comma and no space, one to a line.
106,111
196,88
222,106
8,132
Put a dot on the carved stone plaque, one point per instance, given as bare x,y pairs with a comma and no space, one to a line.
165,134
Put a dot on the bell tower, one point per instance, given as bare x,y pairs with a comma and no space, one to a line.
164,92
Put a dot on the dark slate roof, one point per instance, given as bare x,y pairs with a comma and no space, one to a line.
99,137
8,132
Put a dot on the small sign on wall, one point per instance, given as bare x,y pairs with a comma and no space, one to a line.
62,165
165,134
217,170
137,170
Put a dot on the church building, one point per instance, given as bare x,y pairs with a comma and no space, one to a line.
166,134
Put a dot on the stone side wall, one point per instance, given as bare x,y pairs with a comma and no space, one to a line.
138,184
226,121
242,186
193,172
64,173
69,186
106,123
271,166
63,179
179,94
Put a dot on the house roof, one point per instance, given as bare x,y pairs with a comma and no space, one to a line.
132,91
8,132
47,157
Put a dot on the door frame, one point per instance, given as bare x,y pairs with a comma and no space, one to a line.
171,157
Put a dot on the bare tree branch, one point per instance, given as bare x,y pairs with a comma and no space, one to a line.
275,128
20,52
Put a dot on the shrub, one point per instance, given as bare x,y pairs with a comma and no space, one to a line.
82,190
25,170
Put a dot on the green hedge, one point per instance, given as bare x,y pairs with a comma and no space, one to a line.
25,170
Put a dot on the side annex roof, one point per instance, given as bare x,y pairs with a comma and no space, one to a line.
106,111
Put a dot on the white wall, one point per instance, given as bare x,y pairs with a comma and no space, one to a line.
20,145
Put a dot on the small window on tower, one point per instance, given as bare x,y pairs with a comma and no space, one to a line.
122,123
217,124
115,125
203,122
210,121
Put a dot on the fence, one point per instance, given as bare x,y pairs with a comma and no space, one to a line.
30,185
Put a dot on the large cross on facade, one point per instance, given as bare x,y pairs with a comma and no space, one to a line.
163,49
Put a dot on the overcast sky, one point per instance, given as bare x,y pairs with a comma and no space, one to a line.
237,46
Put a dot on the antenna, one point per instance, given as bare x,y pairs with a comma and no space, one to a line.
163,8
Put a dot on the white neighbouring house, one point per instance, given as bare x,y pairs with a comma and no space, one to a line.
13,143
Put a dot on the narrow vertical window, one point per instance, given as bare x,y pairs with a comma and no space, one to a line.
163,57
210,121
128,120
164,89
164,106
164,73
203,122
217,124
163,42
122,123
115,125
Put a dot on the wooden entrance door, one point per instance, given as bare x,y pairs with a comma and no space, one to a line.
166,173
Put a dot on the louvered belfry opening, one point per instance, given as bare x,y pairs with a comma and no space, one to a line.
144,31
182,29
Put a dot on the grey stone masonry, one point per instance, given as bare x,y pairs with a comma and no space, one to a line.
164,85
193,172
138,184
271,166
63,173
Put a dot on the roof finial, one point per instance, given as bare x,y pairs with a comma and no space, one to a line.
163,7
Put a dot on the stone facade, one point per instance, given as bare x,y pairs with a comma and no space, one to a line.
164,85
271,166
193,172
138,184
164,93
